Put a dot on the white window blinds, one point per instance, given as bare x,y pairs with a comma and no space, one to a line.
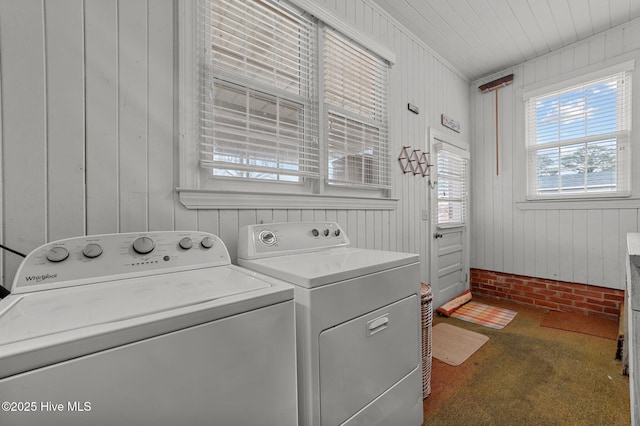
452,188
356,105
578,140
258,96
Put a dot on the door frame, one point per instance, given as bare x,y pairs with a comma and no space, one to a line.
435,139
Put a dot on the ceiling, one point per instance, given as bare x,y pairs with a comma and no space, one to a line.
481,37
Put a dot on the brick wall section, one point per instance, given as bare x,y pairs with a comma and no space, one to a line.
555,295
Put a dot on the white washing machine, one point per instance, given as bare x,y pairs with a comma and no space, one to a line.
145,329
357,322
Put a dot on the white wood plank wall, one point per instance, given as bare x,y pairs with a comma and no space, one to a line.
583,243
88,115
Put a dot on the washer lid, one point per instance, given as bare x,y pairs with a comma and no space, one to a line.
86,319
329,266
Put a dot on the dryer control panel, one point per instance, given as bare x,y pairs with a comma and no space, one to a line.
279,239
100,258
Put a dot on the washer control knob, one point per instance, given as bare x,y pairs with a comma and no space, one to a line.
336,232
326,232
186,243
315,232
207,242
57,254
92,250
143,245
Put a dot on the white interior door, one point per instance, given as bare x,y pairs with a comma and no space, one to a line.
449,198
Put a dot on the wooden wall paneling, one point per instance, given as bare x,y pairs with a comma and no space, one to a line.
208,221
566,61
529,241
331,216
631,36
183,218
352,227
320,215
361,233
24,129
488,159
508,161
553,65
580,244
595,231
541,244
597,50
264,216
160,115
133,107
307,216
101,115
371,233
279,215
553,244
229,225
613,44
477,182
565,245
613,268
64,56
294,215
581,55
342,219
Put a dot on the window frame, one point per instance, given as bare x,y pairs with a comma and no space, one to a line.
222,193
576,78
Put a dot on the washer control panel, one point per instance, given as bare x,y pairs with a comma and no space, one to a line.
278,239
99,258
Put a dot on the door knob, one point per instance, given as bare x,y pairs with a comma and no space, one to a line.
437,235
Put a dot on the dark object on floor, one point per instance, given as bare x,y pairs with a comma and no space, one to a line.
581,324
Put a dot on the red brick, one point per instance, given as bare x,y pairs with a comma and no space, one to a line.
522,299
561,300
546,304
572,296
588,306
588,293
601,302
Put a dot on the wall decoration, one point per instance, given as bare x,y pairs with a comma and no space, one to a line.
417,162
413,108
450,123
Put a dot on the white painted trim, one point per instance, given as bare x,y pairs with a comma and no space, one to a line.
348,30
579,76
211,199
600,204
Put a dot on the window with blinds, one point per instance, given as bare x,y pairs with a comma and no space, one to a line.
355,99
258,101
452,188
578,140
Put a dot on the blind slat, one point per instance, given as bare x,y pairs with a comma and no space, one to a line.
578,139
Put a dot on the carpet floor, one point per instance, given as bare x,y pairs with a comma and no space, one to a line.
527,374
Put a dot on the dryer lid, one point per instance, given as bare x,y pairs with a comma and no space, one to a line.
323,267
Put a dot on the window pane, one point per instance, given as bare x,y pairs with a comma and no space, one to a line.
258,102
577,138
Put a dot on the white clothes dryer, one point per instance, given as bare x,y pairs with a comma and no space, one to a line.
357,322
145,329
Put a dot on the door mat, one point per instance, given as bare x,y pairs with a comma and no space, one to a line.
584,324
486,315
453,345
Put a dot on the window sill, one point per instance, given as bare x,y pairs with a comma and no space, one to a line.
196,199
595,204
